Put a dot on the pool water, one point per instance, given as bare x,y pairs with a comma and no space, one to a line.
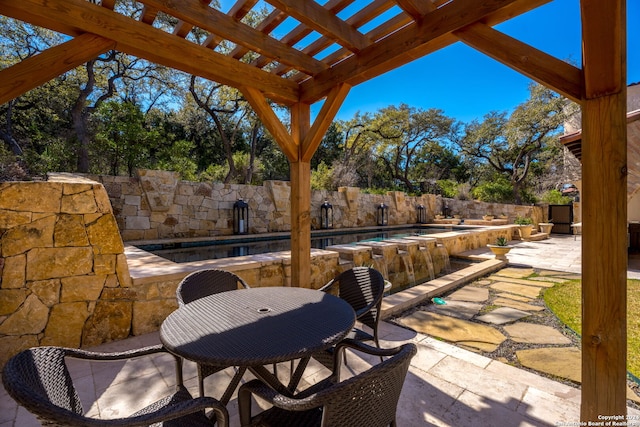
203,250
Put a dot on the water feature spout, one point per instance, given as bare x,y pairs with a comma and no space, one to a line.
441,250
428,260
408,266
380,264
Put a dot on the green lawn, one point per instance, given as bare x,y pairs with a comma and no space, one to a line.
565,301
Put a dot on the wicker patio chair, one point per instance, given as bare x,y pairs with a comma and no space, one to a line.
207,282
39,380
362,288
200,284
366,399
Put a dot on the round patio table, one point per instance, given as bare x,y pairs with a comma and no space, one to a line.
258,326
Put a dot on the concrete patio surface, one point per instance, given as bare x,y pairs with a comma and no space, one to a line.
446,385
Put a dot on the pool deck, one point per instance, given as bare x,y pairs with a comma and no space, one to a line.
446,385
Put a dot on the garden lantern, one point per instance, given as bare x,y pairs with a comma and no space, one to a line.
422,215
326,215
240,217
383,214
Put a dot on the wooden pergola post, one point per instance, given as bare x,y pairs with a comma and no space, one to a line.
604,240
300,200
299,144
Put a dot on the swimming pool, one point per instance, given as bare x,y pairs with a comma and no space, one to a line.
188,251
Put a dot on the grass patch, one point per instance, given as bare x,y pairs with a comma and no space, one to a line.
565,300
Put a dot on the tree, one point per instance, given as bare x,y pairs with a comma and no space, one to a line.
356,163
409,140
19,41
121,134
513,145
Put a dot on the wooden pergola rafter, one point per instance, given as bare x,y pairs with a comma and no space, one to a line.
284,70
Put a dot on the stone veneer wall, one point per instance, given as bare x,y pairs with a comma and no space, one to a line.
157,205
64,278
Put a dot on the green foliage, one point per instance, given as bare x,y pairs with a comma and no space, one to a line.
448,188
555,197
501,241
514,146
499,191
176,157
121,136
215,173
322,177
241,161
381,191
527,197
523,220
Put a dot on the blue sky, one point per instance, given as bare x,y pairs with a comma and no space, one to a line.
465,83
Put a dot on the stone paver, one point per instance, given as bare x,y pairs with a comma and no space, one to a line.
535,334
549,279
514,297
454,330
515,272
471,294
460,309
514,288
563,362
518,305
503,315
528,282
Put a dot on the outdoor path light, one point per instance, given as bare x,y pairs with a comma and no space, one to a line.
422,214
240,217
383,214
326,215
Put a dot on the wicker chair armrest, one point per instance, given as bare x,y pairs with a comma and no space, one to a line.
177,410
158,414
306,400
118,355
327,287
316,395
375,303
365,348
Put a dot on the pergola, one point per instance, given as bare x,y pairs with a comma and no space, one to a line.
298,77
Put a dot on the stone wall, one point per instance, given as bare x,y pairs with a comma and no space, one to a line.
64,278
157,205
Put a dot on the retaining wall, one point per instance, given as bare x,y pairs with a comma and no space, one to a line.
157,205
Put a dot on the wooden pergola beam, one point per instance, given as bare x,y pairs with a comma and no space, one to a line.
271,121
209,19
39,69
324,119
139,39
414,41
326,23
558,75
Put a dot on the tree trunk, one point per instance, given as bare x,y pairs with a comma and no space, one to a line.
8,135
79,119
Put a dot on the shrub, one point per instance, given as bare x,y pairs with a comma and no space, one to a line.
322,177
448,188
499,191
523,220
555,197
